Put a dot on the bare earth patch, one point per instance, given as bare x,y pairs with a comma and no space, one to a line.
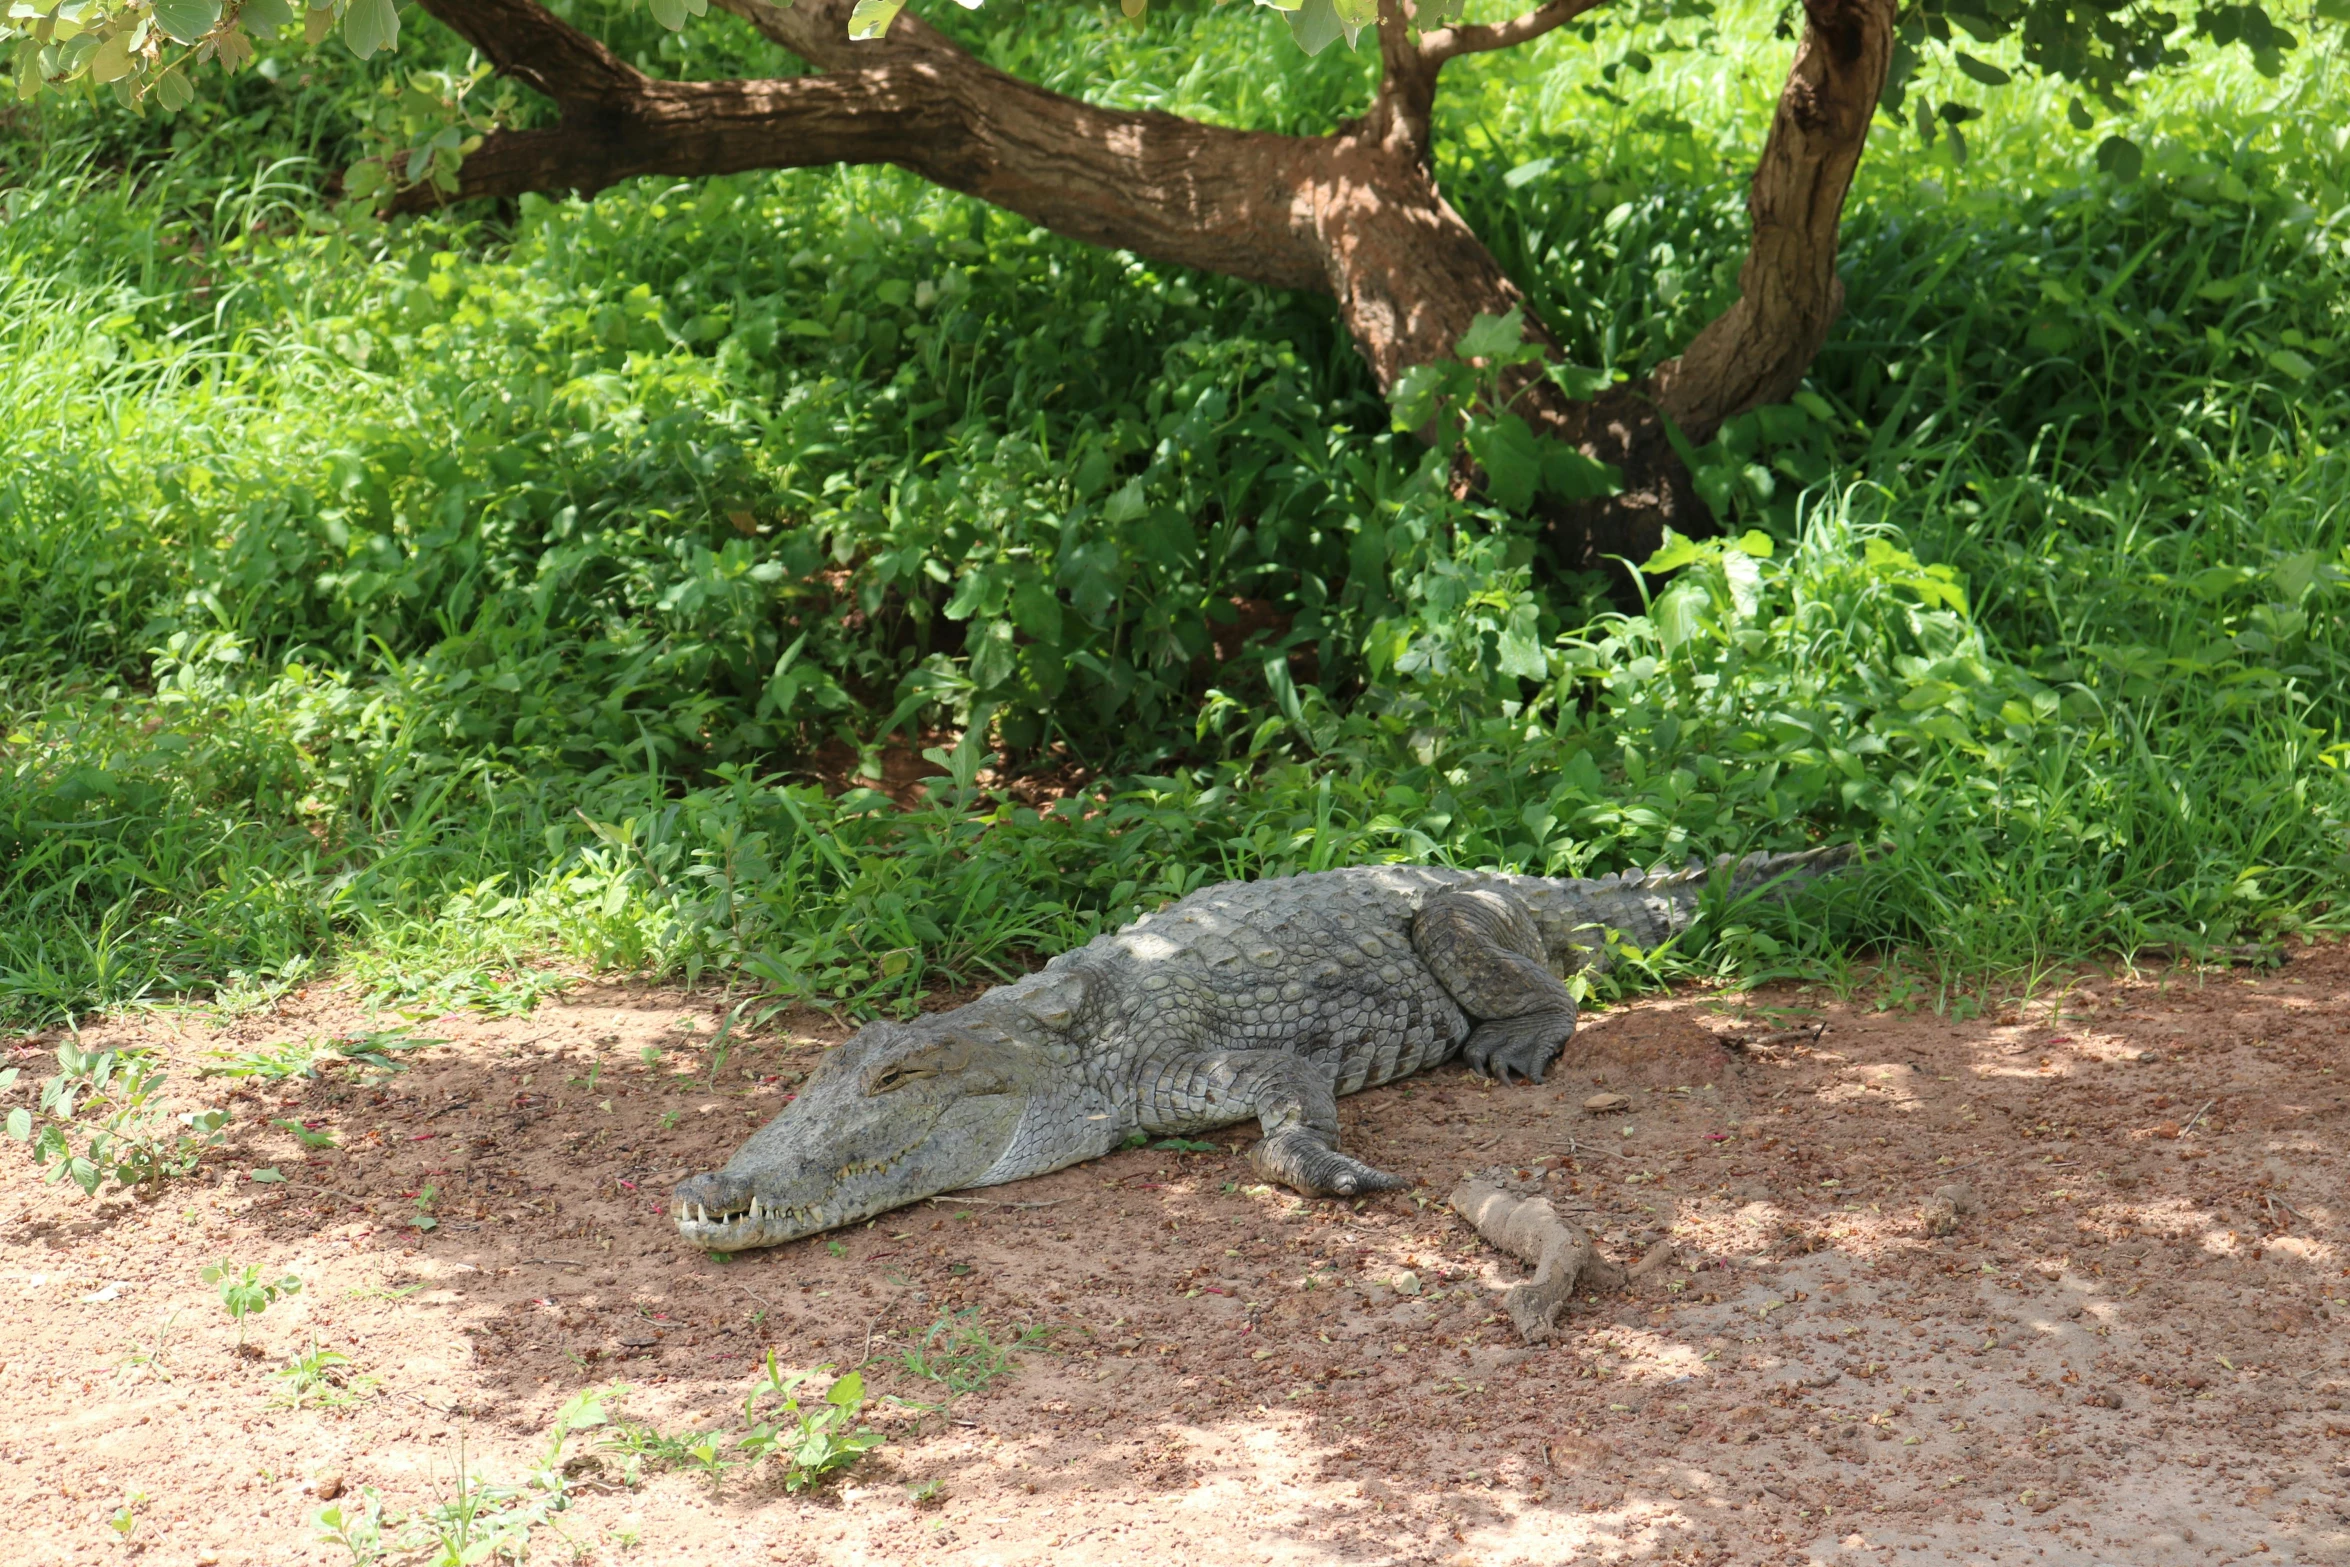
2065,1285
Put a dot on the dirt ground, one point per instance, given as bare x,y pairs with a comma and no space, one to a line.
2122,1341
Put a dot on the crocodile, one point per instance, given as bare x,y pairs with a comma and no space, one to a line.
1267,999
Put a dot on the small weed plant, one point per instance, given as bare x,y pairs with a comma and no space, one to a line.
101,1119
355,1524
321,1378
807,1441
245,1293
962,1356
478,1521
376,1051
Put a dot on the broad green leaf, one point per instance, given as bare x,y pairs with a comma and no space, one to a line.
1506,449
671,14
20,1124
267,1176
1981,70
2293,364
112,61
1526,173
1315,24
1572,476
970,593
2120,157
871,18
370,26
186,20
1126,502
173,91
1521,654
1672,554
265,15
1493,337
1414,395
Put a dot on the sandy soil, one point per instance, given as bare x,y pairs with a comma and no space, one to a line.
2123,1341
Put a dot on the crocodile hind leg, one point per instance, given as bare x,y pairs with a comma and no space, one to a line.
1293,1099
1485,949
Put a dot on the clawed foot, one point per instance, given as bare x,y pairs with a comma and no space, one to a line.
1524,1045
1300,1157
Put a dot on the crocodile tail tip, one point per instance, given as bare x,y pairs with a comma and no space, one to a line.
1790,870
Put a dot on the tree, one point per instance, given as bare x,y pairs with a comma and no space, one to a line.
1355,213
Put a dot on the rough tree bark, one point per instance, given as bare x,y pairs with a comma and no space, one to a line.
1355,214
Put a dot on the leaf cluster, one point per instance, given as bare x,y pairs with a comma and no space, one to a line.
100,1118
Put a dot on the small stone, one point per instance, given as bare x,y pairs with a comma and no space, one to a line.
1407,1284
327,1486
1606,1104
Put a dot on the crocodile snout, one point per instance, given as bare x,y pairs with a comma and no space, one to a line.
713,1198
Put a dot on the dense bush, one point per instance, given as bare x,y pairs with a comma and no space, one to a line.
451,593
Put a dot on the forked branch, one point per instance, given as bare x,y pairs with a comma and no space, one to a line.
1446,43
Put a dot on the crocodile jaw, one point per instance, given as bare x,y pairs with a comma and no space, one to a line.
842,1152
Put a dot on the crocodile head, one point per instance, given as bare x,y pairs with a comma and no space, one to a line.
898,1113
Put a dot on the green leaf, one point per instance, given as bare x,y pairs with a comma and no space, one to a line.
1572,476
1493,337
1526,173
186,20
2120,157
265,15
173,91
1415,394
20,1124
267,1176
671,14
970,593
2078,114
2293,364
1981,70
1506,450
1672,554
112,61
871,18
1315,24
370,26
1521,653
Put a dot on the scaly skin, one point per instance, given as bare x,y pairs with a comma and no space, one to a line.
1267,999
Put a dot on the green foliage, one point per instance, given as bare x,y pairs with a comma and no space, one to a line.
809,1441
100,1119
321,1377
809,1444
244,1292
962,1356
376,1050
441,599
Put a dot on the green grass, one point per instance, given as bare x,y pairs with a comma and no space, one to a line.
431,602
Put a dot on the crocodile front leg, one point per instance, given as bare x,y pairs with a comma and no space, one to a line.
1485,949
1293,1099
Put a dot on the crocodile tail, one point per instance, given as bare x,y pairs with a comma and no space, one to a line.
1774,874
1780,874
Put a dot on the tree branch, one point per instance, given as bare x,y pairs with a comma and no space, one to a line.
1445,43
1759,350
1171,189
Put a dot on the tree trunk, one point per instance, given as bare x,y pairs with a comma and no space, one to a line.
1355,214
